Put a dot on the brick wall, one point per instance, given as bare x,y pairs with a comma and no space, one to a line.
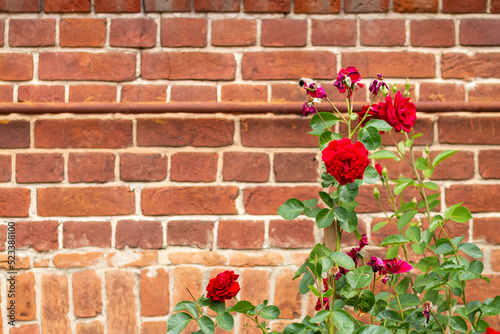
116,213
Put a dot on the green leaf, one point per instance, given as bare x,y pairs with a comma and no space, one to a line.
472,306
389,315
343,321
306,280
422,163
370,137
291,209
359,277
325,218
384,154
407,300
405,219
348,192
414,234
206,324
419,248
372,329
379,124
325,197
325,138
458,324
394,239
351,225
445,248
217,307
365,302
187,306
471,250
392,252
461,215
177,322
442,156
317,124
449,211
379,225
310,203
343,260
295,328
320,316
242,306
271,312
225,321
430,185
342,214
371,175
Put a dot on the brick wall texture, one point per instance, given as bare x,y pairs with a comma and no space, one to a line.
117,213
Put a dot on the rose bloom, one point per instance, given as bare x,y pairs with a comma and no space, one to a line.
491,331
345,161
223,287
352,73
401,115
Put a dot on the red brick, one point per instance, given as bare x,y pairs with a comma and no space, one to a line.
184,132
244,93
295,167
66,6
32,32
432,33
483,228
25,296
441,92
3,237
25,329
42,167
144,93
167,6
337,32
422,125
5,168
55,304
477,198
180,66
193,167
267,200
2,31
40,93
263,6
241,234
85,201
91,167
153,327
287,93
6,93
464,6
92,93
139,234
16,66
111,66
415,6
121,296
463,66
495,6
287,296
82,32
392,64
206,200
94,327
193,93
459,166
261,132
383,32
317,6
488,164
484,93
237,165
495,263
15,202
255,285
283,32
78,234
217,5
83,133
87,297
485,130
363,6
135,33
234,32
397,168
480,289
154,292
117,6
292,65
20,6
291,234
143,167
188,233
477,32
42,236
183,31
186,277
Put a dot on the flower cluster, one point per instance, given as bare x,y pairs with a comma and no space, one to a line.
355,255
348,79
223,286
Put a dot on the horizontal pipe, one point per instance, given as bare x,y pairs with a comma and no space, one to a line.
214,107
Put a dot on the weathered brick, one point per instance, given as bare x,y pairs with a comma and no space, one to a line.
234,32
153,327
41,263
117,6
25,329
121,295
441,92
287,296
83,133
32,32
217,5
143,234
193,167
184,132
382,32
291,234
283,32
485,130
264,6
295,167
186,277
16,66
72,260
42,236
94,327
317,6
154,292
82,32
87,297
25,296
260,132
137,259
55,304
111,66
40,93
477,32
66,6
274,65
483,227
6,93
336,32
22,262
5,168
477,197
488,164
167,6
144,93
495,6
267,200
188,66
287,93
193,94
485,92
495,261
482,291
256,259
207,258
135,33
237,165
15,202
415,6
464,6
188,233
183,31
464,66
243,93
91,167
2,31
189,200
78,234
432,33
39,167
241,234
392,64
85,201
143,167
3,237
20,6
361,6
92,93
459,166
255,284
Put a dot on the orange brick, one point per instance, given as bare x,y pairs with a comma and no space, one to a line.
193,93
25,299
87,297
55,304
40,93
182,31
66,6
186,278
15,202
32,32
154,292
121,294
187,233
16,66
77,259
244,93
135,33
144,93
117,6
241,234
234,32
287,296
82,32
92,93
193,167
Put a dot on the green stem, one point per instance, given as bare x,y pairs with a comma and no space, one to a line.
400,308
435,318
336,110
388,299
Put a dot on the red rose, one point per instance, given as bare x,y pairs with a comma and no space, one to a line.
342,84
223,286
401,116
345,161
491,331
